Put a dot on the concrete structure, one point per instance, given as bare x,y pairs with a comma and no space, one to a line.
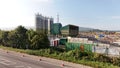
70,30
50,25
44,24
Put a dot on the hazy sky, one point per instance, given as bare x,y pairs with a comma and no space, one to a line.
101,14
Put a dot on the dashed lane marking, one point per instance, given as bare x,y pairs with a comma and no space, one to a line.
6,62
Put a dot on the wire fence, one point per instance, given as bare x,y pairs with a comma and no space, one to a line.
112,50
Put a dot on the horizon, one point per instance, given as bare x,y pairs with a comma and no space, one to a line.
100,14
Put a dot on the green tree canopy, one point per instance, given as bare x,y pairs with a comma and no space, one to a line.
23,38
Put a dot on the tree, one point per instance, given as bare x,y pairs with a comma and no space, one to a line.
13,39
21,36
17,38
45,40
24,39
4,38
30,34
37,40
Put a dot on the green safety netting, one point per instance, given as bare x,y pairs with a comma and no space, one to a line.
72,46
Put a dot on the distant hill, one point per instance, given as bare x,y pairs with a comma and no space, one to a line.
84,29
114,30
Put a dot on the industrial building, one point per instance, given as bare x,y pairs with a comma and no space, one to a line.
70,30
56,28
44,24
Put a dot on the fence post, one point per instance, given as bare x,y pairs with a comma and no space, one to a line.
106,51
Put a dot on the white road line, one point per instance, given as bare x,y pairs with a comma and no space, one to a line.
23,67
6,62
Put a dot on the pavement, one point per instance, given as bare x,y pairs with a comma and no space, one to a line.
11,59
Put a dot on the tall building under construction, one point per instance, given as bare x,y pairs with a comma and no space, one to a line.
44,24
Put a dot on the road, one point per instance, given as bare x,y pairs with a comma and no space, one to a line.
9,60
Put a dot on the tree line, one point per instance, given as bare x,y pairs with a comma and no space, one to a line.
24,39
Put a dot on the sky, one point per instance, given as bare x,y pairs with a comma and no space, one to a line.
99,14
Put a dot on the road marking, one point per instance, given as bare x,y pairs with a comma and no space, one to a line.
23,67
6,62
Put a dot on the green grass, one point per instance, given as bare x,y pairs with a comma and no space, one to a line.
62,56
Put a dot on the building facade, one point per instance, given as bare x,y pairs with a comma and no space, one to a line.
56,28
44,24
50,25
70,30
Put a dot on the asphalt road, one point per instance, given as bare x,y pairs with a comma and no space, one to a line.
9,60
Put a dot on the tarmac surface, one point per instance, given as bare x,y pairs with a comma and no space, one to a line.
11,59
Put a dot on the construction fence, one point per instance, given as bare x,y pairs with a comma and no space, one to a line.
81,46
101,48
